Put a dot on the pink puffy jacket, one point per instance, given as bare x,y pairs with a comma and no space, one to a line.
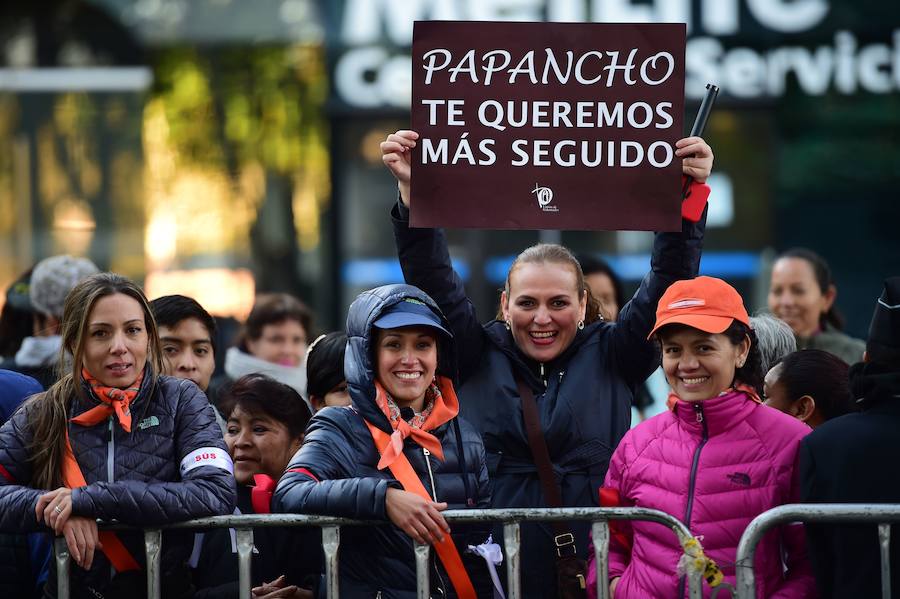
714,465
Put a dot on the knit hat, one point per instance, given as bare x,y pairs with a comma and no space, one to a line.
705,303
883,344
53,279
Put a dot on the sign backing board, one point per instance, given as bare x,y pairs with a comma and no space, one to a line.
547,125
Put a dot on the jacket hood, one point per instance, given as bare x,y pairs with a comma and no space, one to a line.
359,366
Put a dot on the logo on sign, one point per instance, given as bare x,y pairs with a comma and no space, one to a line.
544,197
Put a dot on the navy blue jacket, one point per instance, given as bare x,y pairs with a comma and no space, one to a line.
584,398
148,476
18,577
853,459
339,452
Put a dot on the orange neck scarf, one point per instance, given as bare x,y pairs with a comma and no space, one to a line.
745,389
112,401
444,407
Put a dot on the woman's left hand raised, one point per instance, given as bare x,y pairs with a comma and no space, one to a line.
54,508
697,158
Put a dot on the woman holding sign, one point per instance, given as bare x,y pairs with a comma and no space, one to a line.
114,440
548,372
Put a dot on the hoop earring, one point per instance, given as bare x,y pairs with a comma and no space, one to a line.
580,325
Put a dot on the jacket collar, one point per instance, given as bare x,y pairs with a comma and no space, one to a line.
717,414
529,369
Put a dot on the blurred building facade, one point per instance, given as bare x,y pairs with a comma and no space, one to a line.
222,147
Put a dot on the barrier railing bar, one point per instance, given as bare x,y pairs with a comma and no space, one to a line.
62,567
331,541
423,574
884,539
244,541
330,526
873,513
512,540
600,534
474,515
153,548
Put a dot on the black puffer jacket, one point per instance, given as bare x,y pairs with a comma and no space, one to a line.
172,466
583,396
339,452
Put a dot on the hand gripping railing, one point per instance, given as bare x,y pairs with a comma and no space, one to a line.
875,513
511,519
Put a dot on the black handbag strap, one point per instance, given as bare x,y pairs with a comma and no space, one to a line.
563,539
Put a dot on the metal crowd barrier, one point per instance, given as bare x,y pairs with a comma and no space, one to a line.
331,537
836,513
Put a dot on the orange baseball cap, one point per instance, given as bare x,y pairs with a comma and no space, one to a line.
705,303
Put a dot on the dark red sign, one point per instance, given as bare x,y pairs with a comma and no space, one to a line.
547,125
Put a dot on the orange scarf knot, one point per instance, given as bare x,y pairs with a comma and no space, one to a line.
441,406
112,401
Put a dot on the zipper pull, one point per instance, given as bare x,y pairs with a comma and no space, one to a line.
561,373
699,409
542,370
425,452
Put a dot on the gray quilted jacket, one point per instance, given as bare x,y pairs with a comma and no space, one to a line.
172,466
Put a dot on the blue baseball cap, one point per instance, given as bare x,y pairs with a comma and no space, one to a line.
410,312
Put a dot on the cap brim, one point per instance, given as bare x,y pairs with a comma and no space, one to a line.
707,324
399,320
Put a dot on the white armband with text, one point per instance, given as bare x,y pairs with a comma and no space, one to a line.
207,456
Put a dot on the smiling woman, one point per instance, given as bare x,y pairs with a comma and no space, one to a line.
399,454
266,422
115,440
733,456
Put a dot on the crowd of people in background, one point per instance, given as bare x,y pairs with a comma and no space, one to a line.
112,409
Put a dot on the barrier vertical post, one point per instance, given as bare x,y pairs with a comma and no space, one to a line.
884,540
695,585
512,542
61,551
331,540
600,535
423,576
244,542
153,547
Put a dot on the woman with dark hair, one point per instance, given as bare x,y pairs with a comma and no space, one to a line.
547,347
325,381
272,342
715,460
398,454
15,319
802,293
265,425
811,385
605,285
114,440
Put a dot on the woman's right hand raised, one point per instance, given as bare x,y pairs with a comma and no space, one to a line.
395,153
417,517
